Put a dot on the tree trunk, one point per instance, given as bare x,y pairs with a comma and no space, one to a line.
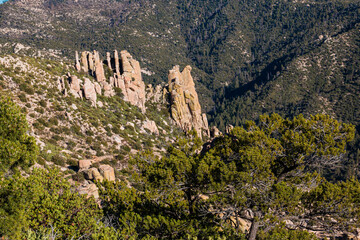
254,226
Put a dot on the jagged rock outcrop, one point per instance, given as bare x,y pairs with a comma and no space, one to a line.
108,61
108,90
77,62
99,68
97,88
61,86
89,91
74,83
184,102
126,75
84,62
130,80
104,172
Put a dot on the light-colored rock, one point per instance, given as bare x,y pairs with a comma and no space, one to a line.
90,190
93,191
112,81
89,91
84,164
74,83
99,68
84,62
127,75
107,172
77,62
117,62
151,126
96,175
61,84
108,60
134,85
184,102
108,90
91,63
97,88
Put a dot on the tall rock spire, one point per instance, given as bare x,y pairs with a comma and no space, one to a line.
77,62
99,68
184,102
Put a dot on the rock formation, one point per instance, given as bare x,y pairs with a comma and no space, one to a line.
89,91
77,62
126,75
130,81
184,102
84,62
98,68
97,88
75,89
108,61
89,190
107,172
108,90
84,164
93,174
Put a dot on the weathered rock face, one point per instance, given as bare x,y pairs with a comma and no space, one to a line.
90,63
108,90
74,83
84,62
108,172
89,91
99,68
126,75
184,102
93,174
97,88
84,164
130,80
77,62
